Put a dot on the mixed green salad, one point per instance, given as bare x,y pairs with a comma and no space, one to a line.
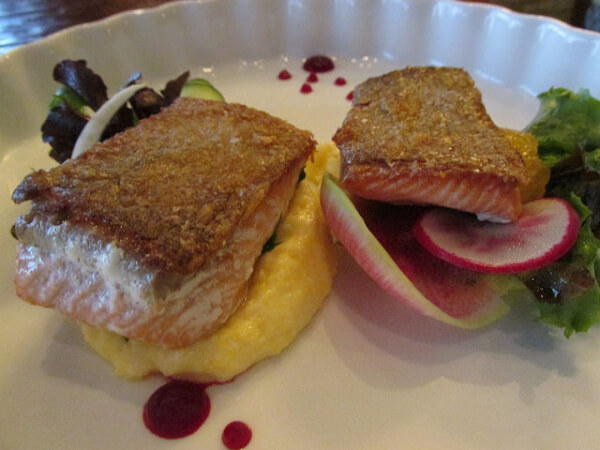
83,92
567,128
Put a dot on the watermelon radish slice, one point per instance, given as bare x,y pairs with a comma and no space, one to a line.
545,231
379,237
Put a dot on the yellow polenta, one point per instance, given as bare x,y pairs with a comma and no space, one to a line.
288,287
536,172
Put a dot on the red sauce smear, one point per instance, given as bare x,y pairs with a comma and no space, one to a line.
177,409
236,435
350,96
306,88
318,64
340,81
284,75
312,78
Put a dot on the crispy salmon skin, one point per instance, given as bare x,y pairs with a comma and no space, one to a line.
172,190
422,135
154,232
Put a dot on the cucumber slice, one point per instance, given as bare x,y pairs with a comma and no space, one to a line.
201,88
69,96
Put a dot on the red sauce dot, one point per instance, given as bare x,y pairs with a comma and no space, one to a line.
312,78
236,435
306,88
284,75
318,63
350,96
177,409
339,81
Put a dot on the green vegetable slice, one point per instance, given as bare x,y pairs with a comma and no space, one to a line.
201,88
67,95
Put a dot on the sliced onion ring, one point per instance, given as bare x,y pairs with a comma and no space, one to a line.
93,129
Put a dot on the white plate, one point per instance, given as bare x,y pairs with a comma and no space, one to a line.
367,373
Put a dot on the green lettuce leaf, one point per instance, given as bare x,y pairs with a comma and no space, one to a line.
577,306
567,128
565,122
591,160
69,96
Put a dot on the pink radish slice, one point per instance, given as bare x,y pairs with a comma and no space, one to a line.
379,238
545,231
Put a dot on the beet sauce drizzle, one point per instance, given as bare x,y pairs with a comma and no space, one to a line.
236,435
177,409
284,75
318,64
314,65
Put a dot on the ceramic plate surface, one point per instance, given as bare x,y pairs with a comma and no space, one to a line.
367,373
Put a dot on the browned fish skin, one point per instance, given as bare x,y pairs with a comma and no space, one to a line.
63,267
140,188
154,233
428,124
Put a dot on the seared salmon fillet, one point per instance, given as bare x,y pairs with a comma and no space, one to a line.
154,232
422,135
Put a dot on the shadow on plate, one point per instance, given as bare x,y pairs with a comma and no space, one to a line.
392,347
69,357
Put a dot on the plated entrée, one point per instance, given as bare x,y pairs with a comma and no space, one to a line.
367,371
153,239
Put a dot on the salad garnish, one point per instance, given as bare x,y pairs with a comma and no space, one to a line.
83,92
567,128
